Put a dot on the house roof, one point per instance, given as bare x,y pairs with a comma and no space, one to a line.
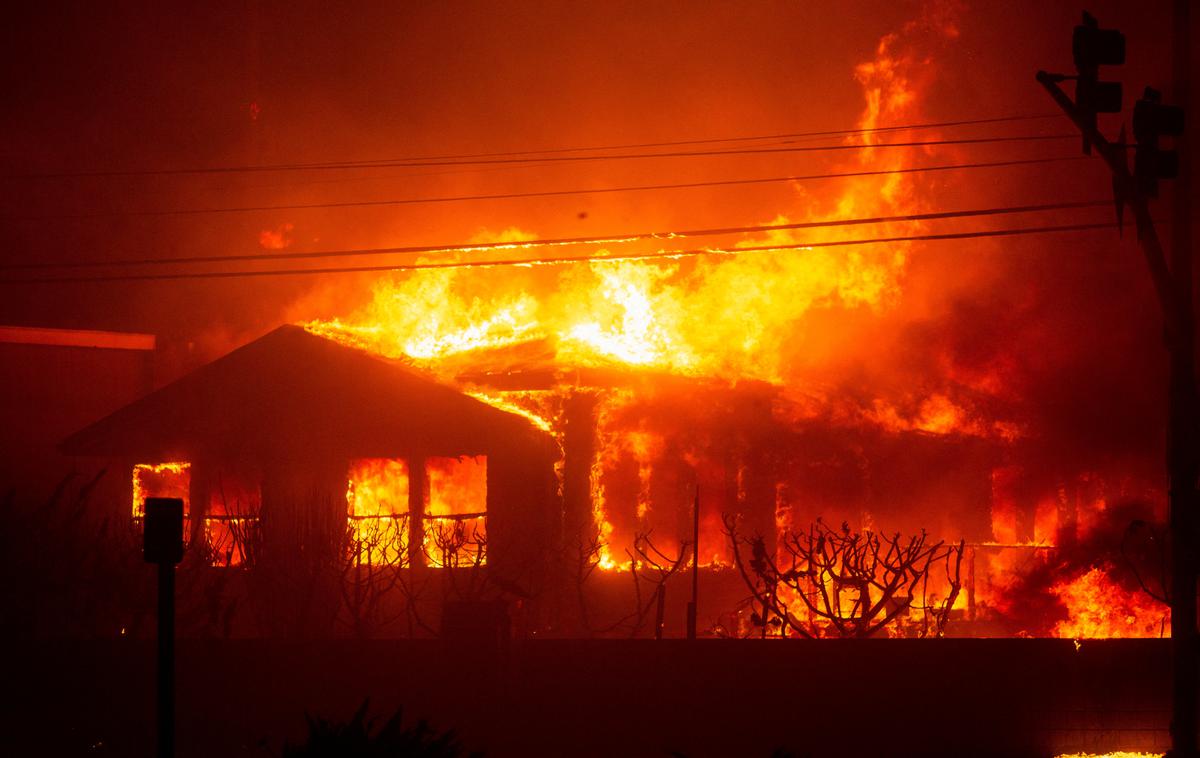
26,335
293,395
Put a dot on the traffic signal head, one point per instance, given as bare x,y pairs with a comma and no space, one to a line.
1151,120
1092,46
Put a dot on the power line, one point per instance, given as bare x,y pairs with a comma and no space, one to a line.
565,241
296,180
638,145
674,143
561,260
549,159
545,193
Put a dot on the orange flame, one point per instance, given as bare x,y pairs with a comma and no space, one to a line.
171,479
454,514
377,502
1099,608
455,533
680,316
1116,754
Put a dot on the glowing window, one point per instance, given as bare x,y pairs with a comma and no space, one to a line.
456,510
172,479
232,519
377,511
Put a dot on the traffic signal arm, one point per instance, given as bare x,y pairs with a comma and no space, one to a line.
1127,190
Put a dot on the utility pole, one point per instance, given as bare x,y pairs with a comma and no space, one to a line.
1172,277
1182,435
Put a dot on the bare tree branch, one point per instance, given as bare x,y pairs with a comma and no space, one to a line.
826,582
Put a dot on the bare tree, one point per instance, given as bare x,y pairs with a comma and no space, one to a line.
649,569
376,585
827,582
299,552
585,554
380,586
231,535
455,543
649,565
94,583
459,547
70,567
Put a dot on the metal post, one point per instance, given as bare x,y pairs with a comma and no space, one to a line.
166,660
691,611
163,544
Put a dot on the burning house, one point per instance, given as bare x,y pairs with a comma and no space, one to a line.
599,378
615,416
293,437
532,471
504,466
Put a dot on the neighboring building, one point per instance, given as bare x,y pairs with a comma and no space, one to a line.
53,381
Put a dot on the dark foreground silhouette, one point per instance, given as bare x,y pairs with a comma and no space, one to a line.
358,738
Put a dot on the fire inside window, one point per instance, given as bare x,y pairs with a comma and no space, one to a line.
171,479
451,518
377,508
230,520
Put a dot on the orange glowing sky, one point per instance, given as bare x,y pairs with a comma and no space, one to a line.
164,87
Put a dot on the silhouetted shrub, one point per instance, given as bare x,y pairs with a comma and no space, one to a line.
358,738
